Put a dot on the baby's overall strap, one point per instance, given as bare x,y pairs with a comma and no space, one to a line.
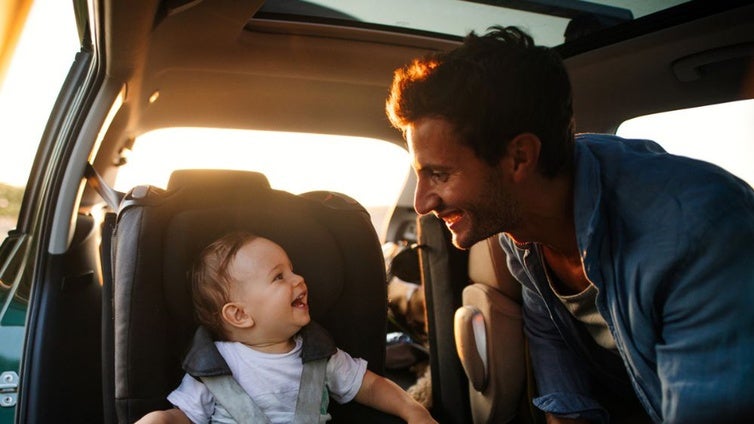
205,363
310,391
236,401
317,349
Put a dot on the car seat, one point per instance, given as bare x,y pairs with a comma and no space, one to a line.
444,274
328,237
489,336
478,356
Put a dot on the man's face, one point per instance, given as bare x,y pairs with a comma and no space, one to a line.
469,195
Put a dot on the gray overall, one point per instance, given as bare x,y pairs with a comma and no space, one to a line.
233,404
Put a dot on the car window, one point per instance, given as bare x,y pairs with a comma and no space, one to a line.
721,134
27,93
29,86
371,171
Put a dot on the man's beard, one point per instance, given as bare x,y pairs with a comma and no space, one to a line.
492,215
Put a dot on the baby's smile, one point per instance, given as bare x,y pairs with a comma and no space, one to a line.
300,301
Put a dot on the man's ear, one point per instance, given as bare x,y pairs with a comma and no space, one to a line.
523,155
235,315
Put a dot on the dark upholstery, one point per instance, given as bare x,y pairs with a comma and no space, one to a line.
444,274
329,238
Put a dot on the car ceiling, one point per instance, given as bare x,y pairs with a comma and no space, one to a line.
214,66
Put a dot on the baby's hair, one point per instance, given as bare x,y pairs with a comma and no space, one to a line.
211,281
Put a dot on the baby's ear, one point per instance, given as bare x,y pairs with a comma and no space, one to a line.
235,315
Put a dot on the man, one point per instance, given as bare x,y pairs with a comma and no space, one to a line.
636,265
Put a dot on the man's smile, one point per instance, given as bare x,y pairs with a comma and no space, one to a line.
451,218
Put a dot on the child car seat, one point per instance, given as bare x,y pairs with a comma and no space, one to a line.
158,233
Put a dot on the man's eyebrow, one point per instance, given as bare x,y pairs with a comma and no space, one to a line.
433,168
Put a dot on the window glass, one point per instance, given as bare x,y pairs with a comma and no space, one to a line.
547,22
29,86
722,134
371,171
28,90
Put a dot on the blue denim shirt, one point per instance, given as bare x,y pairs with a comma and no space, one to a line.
669,243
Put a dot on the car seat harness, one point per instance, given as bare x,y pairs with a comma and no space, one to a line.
205,363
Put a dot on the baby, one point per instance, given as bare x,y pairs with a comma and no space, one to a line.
247,295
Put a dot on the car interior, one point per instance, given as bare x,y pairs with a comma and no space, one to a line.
109,313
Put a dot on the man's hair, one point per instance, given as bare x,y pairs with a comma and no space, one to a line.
211,280
490,89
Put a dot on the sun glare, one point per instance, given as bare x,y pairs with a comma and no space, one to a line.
28,91
721,134
371,171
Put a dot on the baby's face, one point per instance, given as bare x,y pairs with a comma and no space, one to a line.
274,296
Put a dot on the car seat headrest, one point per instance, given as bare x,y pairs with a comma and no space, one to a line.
487,265
203,205
209,179
312,249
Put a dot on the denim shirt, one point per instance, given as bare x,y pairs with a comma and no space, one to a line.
669,243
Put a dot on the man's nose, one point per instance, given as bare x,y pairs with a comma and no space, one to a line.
425,199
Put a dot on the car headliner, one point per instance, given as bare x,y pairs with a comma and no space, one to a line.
213,65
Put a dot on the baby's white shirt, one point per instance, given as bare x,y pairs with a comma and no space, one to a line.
271,379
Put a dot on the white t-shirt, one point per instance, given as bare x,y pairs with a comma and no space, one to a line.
271,379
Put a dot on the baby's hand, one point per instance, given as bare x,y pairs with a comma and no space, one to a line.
171,416
421,416
427,420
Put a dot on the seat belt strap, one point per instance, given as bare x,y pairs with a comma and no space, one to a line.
236,401
243,409
111,196
311,392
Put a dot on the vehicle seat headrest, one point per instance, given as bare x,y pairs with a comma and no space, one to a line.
200,205
488,266
209,179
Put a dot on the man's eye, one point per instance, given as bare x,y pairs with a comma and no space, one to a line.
439,176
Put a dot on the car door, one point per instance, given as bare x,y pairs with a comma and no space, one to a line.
34,272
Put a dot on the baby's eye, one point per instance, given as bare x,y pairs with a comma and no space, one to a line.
278,277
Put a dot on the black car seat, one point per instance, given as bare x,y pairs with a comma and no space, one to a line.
444,274
158,233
